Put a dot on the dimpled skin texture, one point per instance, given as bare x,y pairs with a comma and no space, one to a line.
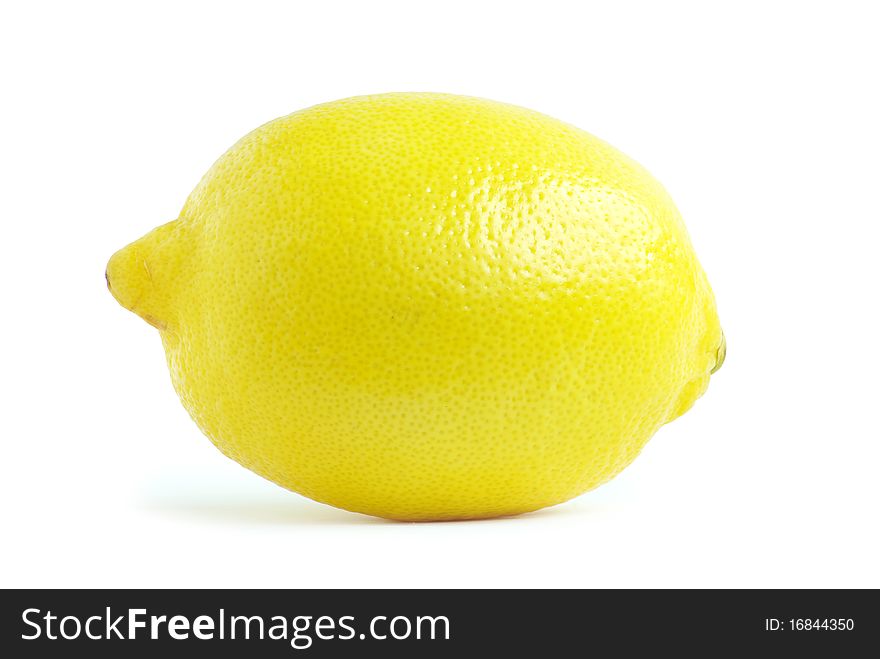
427,307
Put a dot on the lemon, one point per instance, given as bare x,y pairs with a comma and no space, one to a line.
427,306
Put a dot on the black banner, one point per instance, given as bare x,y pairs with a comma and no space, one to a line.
436,623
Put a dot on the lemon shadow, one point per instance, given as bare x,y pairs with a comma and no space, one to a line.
269,512
195,498
299,511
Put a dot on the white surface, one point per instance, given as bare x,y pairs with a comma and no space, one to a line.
762,121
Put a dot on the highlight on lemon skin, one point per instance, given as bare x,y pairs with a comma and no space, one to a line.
427,307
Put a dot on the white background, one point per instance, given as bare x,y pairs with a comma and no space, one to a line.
760,118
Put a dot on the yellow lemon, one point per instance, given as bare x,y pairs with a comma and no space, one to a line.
427,306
